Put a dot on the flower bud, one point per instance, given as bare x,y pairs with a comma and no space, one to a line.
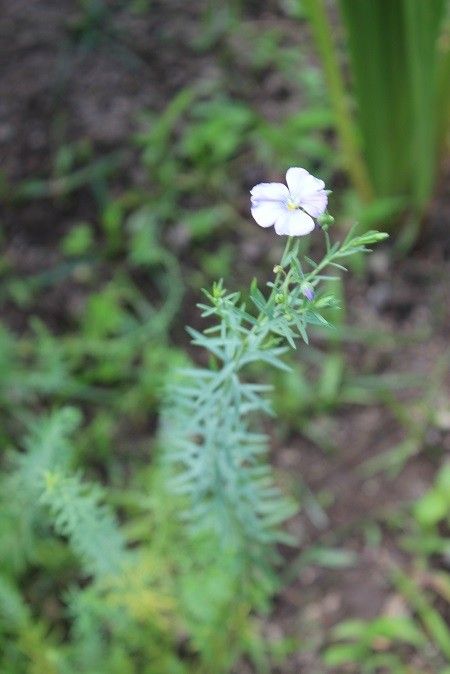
307,291
325,221
368,238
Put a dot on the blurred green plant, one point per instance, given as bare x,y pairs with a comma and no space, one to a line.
216,457
132,596
98,574
400,61
201,141
417,638
370,646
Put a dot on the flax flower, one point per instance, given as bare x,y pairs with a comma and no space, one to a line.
290,209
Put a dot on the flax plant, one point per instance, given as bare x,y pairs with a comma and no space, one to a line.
210,434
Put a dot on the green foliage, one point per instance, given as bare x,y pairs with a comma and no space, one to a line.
400,72
217,457
424,595
216,132
434,506
299,135
78,241
201,141
99,571
42,481
129,592
77,513
431,515
368,644
129,605
400,42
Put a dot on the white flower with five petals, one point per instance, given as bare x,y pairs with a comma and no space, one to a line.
291,209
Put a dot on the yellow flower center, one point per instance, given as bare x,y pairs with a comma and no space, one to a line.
292,205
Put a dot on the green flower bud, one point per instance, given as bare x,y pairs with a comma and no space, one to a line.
325,221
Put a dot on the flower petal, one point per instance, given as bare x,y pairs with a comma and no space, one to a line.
307,191
315,204
301,183
267,212
294,223
269,192
282,224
